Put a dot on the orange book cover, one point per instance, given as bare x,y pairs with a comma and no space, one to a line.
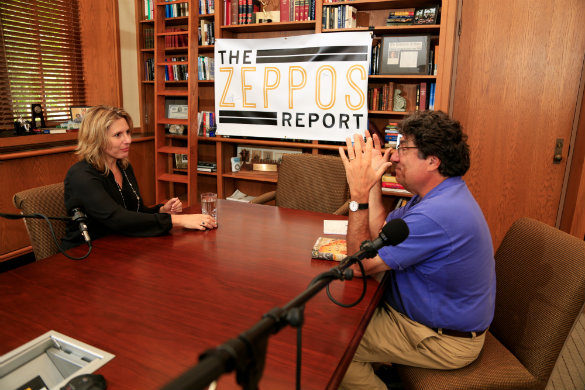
329,249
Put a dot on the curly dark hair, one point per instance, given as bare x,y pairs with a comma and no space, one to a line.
435,134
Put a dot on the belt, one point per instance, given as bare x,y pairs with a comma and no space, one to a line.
457,333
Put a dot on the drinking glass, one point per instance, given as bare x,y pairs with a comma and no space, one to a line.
209,204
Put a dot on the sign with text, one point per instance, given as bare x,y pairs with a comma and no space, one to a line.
311,87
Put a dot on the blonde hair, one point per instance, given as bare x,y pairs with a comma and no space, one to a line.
92,140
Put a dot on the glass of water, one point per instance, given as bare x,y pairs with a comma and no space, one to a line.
209,204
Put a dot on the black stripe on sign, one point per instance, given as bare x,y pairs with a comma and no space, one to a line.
248,114
313,58
249,121
311,50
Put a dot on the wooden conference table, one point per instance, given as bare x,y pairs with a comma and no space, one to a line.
157,303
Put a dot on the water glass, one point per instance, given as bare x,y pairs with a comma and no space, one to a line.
209,204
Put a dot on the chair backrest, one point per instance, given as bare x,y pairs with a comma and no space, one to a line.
540,292
311,182
47,200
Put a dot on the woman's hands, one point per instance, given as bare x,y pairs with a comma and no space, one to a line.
194,221
173,206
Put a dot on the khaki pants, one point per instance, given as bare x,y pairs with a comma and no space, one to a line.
392,337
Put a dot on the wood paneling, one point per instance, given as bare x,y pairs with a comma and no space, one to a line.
572,220
100,37
20,174
21,171
517,85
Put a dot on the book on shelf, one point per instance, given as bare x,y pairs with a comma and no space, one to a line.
206,166
405,55
399,17
390,136
432,96
284,11
388,178
326,248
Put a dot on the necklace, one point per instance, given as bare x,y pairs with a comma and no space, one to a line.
131,187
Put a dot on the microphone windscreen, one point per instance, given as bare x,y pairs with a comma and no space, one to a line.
395,231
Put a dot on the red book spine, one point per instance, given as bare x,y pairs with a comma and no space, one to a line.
284,10
423,96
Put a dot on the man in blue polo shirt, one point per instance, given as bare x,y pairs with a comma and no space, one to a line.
441,295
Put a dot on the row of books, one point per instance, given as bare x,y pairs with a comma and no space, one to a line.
149,69
206,7
251,11
205,68
179,40
176,72
206,32
149,9
341,16
206,124
148,36
387,97
176,10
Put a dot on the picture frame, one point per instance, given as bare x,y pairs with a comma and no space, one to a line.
78,112
405,54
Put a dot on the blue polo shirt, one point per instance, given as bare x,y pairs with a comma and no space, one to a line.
444,274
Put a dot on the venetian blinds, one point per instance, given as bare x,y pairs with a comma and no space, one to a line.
40,59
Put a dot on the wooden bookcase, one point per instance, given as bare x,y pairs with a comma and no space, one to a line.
199,95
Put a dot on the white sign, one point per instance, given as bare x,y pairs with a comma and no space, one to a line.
311,87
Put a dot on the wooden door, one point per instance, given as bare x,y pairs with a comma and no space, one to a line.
517,84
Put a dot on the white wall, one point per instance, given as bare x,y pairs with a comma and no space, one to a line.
129,56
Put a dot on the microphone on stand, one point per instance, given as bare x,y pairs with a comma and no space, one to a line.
393,233
79,217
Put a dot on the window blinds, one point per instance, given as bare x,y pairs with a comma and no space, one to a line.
40,59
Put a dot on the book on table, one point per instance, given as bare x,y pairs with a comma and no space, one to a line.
327,248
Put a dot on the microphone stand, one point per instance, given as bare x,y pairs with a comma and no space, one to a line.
247,352
41,216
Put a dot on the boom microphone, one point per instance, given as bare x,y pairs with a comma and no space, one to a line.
393,233
80,218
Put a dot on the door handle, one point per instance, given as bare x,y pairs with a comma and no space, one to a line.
558,156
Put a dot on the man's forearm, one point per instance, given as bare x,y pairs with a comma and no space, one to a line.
377,212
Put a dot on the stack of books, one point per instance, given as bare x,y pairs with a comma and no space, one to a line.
399,17
389,183
206,166
391,135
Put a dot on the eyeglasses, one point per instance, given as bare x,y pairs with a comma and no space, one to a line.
400,149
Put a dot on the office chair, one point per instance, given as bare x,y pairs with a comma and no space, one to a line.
310,182
47,200
540,292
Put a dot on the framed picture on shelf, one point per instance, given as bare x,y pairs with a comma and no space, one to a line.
405,54
181,161
78,112
178,111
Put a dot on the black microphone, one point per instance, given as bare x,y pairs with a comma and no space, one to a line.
393,233
80,218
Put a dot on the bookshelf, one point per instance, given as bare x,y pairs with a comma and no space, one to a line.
199,95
